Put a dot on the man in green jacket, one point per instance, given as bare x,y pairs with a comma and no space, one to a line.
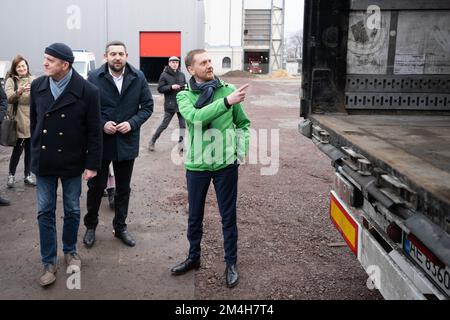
218,139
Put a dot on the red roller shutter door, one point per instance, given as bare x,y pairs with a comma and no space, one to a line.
160,44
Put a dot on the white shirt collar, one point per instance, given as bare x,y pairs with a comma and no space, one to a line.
115,77
117,80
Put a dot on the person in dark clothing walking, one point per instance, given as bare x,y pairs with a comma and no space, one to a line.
66,141
126,103
171,81
3,107
3,103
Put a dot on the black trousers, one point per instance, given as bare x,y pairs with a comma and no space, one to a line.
165,123
225,183
21,145
122,172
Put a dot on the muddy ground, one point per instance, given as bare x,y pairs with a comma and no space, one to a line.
285,233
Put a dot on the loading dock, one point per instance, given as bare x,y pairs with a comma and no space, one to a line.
155,50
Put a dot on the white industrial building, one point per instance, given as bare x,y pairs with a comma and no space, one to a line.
238,32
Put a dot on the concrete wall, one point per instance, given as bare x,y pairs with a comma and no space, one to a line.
223,33
29,26
292,68
257,4
224,30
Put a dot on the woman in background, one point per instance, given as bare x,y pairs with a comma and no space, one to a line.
17,87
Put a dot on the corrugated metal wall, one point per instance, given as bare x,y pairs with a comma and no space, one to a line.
257,29
29,26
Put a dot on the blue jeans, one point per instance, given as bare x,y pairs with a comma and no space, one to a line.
46,199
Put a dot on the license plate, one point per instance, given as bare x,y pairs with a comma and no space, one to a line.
439,274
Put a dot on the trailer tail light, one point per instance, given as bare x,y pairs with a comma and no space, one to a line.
344,222
394,232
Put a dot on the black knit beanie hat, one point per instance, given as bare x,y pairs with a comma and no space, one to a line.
60,51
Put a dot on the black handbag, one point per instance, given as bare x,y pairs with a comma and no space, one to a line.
8,129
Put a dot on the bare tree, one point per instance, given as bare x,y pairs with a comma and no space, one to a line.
294,45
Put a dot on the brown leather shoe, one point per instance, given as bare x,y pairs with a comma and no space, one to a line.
73,262
48,275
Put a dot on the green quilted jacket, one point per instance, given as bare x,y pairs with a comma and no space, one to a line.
217,135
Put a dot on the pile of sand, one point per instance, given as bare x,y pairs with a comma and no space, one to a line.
239,74
280,74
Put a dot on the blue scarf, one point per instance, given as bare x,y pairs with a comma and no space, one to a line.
206,89
57,87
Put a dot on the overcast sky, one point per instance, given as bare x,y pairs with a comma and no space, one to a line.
293,16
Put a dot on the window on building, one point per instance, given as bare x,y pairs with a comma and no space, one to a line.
226,63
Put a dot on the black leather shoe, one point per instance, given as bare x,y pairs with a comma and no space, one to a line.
89,238
126,237
4,202
231,276
185,266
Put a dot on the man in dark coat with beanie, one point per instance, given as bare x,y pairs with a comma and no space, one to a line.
171,81
66,143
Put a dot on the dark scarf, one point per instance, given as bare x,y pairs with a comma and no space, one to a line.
206,89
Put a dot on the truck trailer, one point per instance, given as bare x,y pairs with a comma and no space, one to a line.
375,98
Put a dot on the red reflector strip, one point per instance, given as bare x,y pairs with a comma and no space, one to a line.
344,223
425,251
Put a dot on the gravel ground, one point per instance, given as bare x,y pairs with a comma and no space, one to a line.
284,228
